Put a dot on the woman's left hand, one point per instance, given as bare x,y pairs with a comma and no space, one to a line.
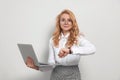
63,52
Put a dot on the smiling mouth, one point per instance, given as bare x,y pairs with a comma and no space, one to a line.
66,26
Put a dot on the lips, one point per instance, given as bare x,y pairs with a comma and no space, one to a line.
66,26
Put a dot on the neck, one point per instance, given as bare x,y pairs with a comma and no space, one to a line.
64,33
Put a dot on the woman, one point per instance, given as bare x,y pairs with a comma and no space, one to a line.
65,47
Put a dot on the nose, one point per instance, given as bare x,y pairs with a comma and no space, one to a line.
66,22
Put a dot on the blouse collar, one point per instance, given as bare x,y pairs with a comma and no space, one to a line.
64,36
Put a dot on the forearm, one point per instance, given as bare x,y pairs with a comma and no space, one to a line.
85,50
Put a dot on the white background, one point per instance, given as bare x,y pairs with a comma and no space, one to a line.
32,21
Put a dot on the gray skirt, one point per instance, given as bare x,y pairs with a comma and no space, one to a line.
66,73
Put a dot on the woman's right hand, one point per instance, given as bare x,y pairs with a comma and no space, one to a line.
30,63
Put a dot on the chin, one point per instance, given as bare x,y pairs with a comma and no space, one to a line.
66,29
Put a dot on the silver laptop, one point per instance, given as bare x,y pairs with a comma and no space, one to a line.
27,50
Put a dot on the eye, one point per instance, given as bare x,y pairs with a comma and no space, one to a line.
62,19
69,20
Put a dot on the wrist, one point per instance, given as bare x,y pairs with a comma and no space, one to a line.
70,52
36,67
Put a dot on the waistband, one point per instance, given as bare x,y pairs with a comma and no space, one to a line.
67,65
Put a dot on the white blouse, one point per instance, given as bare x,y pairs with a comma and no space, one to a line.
84,47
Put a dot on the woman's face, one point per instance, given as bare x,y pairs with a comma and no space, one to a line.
65,22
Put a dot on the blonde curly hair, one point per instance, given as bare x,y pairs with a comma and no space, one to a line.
74,31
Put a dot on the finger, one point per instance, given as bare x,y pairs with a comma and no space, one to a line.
62,51
61,54
31,62
65,54
65,50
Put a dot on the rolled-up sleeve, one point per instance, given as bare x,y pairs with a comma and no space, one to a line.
84,47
